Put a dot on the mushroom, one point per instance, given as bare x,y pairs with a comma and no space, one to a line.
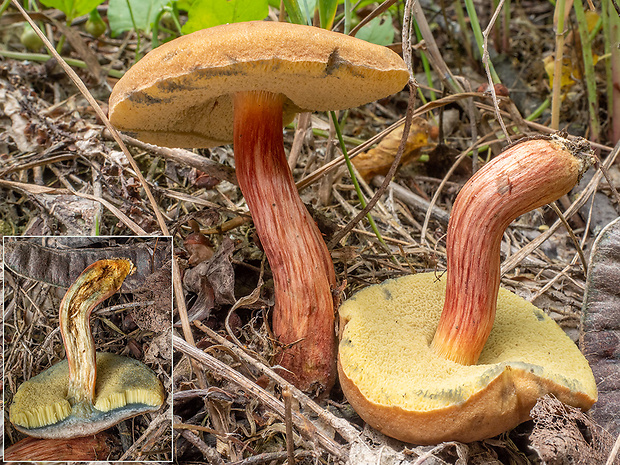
428,358
85,449
240,82
89,391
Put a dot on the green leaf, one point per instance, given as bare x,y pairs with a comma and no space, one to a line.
208,13
378,31
295,12
184,4
73,8
144,13
327,12
307,10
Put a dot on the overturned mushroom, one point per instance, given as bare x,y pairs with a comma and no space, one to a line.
427,359
241,82
89,391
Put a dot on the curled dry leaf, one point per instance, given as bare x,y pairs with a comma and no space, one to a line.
16,126
200,248
213,281
377,161
600,338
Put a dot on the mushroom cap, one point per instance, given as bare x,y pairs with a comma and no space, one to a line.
399,386
180,94
124,388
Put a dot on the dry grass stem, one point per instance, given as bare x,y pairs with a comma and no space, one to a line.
91,100
486,60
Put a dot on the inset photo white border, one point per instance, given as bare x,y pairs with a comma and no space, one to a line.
131,319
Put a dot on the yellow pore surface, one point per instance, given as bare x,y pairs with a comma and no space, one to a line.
121,382
384,350
42,400
124,381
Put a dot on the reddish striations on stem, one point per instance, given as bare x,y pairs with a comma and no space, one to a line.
303,318
90,448
526,176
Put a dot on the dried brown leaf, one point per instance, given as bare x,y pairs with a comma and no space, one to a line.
377,161
600,337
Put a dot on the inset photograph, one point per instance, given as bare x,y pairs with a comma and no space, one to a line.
87,348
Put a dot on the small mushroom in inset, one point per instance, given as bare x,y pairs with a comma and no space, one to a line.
428,358
240,82
89,391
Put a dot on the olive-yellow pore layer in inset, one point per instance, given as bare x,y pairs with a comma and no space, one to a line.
123,385
181,93
398,385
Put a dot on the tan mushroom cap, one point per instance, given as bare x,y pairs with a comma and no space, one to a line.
180,94
124,388
399,386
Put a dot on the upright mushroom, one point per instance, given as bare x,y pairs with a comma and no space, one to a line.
89,391
427,359
241,82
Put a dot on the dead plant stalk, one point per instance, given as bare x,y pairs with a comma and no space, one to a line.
486,61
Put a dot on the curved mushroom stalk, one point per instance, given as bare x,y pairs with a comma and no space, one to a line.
526,176
96,283
303,318
189,92
414,391
90,391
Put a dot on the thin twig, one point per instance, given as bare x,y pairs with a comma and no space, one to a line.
413,8
335,163
303,121
179,295
210,454
572,262
614,451
556,99
612,187
268,457
304,425
153,425
102,116
414,200
342,427
537,127
443,183
288,421
486,61
36,189
376,12
186,157
401,148
571,233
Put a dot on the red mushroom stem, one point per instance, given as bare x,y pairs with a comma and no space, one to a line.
303,273
96,283
526,176
87,449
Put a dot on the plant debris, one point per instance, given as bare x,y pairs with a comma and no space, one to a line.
61,173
